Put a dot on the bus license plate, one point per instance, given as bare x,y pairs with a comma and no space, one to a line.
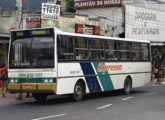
28,86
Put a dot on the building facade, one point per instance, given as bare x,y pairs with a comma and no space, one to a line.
145,19
26,14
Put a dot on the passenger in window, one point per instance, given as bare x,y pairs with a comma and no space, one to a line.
101,57
43,55
142,58
114,57
132,56
79,55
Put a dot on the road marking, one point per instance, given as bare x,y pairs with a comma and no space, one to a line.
126,98
53,116
150,93
105,106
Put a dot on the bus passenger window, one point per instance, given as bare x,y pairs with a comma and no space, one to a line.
81,48
79,55
65,48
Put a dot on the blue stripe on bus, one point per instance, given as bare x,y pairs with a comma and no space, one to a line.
91,80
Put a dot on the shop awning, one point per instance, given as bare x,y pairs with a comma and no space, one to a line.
4,37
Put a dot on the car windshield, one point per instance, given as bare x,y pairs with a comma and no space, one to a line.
33,52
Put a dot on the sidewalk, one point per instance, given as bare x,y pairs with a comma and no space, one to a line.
11,98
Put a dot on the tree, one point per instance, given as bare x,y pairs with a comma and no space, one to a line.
58,2
70,6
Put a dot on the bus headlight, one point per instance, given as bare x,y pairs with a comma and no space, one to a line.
46,80
12,81
50,80
16,80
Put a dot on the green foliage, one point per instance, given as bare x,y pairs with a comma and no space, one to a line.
58,2
70,6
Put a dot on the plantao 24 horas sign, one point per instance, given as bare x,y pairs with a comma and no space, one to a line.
81,4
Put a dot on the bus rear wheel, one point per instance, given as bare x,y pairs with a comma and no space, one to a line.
127,86
40,97
79,91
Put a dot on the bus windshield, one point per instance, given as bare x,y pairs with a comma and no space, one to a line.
32,52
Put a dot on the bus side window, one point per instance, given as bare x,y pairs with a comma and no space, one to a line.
81,48
65,48
145,52
96,49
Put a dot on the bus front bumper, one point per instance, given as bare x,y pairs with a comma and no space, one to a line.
32,88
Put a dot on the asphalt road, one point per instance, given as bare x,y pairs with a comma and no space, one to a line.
145,103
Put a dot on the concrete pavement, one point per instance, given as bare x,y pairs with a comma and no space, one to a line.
9,98
12,98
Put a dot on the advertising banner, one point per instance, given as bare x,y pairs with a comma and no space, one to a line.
33,23
143,23
50,11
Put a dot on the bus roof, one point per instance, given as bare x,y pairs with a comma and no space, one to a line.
101,37
58,31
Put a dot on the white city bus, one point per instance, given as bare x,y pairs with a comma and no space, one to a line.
48,61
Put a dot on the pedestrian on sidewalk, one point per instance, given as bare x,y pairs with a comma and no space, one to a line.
4,78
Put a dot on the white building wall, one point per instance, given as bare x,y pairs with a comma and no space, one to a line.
116,15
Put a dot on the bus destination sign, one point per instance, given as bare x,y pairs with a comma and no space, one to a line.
40,32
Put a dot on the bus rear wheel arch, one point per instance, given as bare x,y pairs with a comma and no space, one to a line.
79,90
127,85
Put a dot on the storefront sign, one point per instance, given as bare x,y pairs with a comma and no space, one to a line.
87,29
143,23
33,23
50,11
79,28
81,4
96,30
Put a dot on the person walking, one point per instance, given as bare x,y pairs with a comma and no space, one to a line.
4,78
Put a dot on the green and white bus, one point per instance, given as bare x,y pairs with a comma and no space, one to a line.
48,61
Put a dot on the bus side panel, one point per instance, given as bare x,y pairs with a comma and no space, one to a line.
141,73
119,71
118,81
101,76
68,75
141,79
66,85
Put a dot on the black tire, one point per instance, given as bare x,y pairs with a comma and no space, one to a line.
40,97
79,91
127,86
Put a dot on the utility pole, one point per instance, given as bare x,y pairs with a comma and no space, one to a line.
21,11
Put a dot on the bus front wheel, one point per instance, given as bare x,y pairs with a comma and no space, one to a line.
127,86
79,91
40,97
